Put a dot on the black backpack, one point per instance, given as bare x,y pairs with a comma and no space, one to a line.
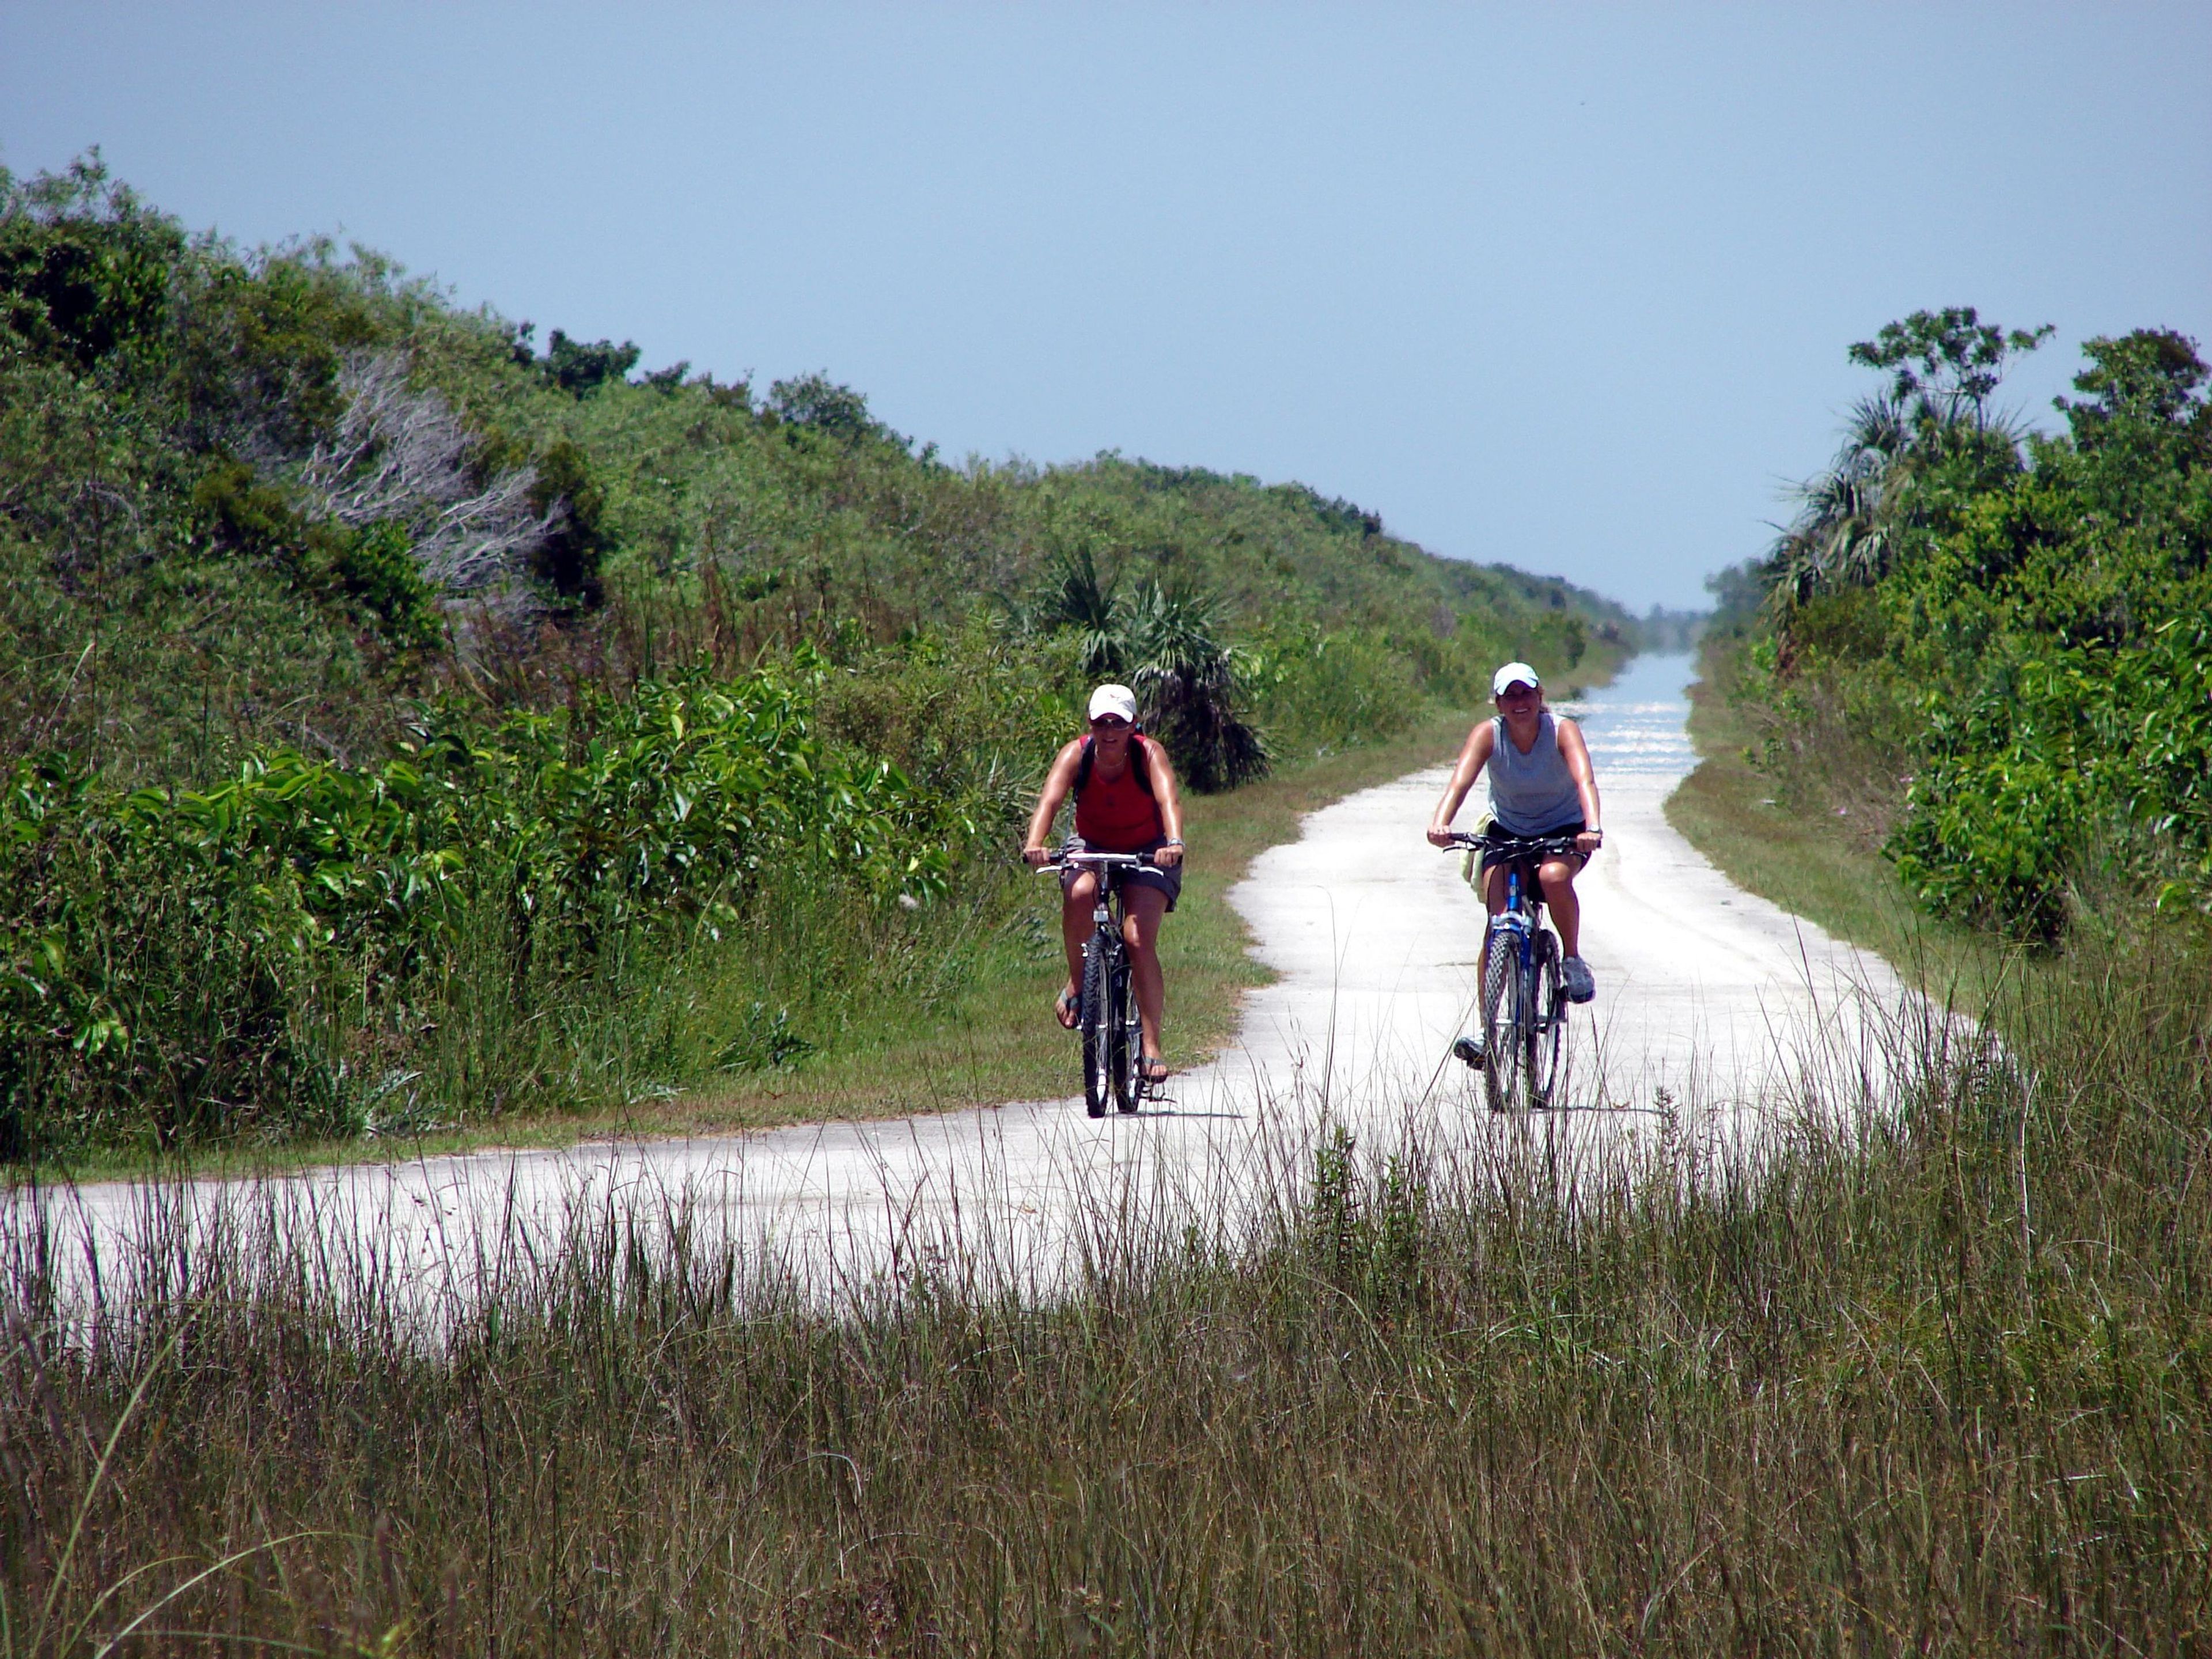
1138,766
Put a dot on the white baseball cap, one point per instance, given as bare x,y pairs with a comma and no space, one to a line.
1114,700
1512,673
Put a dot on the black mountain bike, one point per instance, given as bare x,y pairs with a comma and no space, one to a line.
1113,1036
1524,1000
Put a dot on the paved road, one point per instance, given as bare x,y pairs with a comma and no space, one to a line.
1720,1020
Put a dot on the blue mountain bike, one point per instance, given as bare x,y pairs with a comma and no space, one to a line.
1524,998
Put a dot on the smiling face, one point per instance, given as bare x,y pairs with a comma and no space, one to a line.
1520,703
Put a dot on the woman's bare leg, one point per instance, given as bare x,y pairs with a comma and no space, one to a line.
1558,878
1076,900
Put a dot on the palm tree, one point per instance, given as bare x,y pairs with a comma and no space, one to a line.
1185,678
1844,532
1075,596
1853,518
1166,643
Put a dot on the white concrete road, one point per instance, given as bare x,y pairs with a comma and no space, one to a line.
1718,1018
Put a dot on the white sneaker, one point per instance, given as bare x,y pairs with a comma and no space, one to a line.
1581,988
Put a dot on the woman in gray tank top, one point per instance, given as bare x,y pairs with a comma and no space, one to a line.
1535,792
1540,786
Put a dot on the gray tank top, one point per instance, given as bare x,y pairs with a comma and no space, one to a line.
1533,794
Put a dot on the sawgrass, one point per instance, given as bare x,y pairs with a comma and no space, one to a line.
1941,1382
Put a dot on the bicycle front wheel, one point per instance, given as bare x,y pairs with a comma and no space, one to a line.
1098,1028
1129,1044
1505,1050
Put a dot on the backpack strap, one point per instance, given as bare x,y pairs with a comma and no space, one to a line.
1139,765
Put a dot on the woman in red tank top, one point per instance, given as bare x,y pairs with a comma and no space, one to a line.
1115,811
1125,802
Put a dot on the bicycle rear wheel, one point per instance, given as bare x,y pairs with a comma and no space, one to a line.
1505,1052
1098,1027
1547,1032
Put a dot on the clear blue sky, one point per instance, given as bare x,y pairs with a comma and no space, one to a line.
1565,287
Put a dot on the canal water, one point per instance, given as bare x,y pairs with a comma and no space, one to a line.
1638,725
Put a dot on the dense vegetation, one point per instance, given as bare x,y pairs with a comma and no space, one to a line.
396,714
1995,646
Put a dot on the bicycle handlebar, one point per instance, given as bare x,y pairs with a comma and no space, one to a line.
1129,860
1523,846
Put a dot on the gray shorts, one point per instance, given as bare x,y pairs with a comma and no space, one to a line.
1167,881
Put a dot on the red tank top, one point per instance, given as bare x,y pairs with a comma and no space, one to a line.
1116,815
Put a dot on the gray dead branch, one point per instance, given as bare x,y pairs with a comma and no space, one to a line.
399,454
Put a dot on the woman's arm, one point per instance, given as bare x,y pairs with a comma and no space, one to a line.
1170,804
1576,753
1474,755
1057,783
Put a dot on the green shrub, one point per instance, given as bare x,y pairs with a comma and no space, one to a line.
2087,760
569,558
173,955
85,267
1315,692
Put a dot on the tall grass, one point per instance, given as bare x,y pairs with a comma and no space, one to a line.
1946,1387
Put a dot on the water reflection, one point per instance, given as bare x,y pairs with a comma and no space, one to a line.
1638,725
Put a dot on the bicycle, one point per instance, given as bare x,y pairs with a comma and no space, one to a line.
1113,1035
1524,1001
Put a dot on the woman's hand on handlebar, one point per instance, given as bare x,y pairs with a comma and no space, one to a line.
1038,856
1442,836
1588,841
1168,855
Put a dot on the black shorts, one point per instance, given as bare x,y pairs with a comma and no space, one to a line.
1148,875
1492,857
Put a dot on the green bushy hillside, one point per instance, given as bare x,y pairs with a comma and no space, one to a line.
337,622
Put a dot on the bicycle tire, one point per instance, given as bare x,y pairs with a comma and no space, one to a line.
1548,1025
1505,1044
1098,1024
1129,1044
